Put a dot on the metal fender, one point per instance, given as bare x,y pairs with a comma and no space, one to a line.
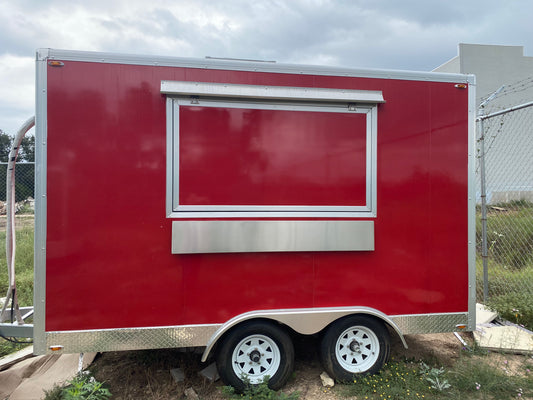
306,321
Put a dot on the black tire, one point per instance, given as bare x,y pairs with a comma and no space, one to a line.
253,351
354,345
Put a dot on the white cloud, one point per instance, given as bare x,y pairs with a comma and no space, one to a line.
17,94
407,34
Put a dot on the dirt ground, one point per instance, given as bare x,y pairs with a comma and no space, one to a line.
146,374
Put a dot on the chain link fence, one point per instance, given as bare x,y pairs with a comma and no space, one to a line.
24,186
24,223
505,190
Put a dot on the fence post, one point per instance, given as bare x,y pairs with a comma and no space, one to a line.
484,246
483,189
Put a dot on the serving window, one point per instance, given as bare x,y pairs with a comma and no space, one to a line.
270,152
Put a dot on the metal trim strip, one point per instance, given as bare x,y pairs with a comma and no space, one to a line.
230,236
271,214
166,61
276,104
171,153
188,208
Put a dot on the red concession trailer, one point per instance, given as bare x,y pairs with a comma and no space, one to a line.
231,204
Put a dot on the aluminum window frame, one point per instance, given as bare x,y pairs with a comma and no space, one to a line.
286,99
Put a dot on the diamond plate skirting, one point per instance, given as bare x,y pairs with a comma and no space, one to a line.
199,335
130,338
429,323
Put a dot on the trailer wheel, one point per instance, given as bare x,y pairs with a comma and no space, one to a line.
253,352
355,345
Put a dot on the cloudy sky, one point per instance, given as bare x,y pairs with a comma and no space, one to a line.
390,34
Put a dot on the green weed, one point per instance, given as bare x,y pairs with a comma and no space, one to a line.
435,376
258,392
82,387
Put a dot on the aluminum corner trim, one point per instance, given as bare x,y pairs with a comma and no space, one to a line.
41,134
200,237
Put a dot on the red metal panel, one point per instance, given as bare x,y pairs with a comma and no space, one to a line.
231,156
108,241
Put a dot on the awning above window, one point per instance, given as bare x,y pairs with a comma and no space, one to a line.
270,92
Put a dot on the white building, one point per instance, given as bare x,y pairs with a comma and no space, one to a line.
493,66
509,138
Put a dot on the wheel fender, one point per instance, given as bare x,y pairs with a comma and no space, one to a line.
305,321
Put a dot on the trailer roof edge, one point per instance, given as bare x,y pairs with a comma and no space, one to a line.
44,54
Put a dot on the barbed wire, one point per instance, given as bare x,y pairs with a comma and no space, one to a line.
508,95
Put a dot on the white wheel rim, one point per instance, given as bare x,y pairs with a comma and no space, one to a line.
357,349
255,357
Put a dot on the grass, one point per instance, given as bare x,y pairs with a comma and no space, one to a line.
472,378
23,264
514,307
469,378
510,292
24,277
509,234
510,262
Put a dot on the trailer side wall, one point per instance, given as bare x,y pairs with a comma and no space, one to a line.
108,262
